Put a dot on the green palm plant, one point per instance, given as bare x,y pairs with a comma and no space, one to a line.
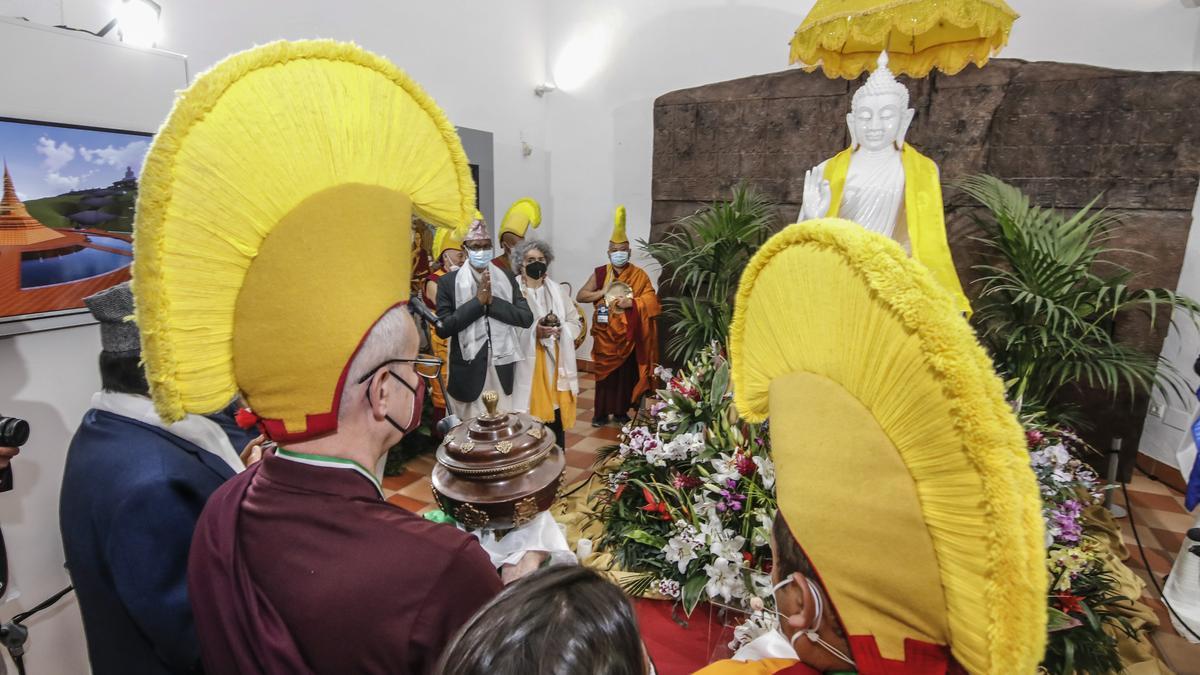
1046,312
702,259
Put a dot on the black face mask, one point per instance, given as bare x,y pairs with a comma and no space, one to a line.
536,269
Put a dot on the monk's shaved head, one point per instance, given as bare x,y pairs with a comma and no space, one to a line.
393,337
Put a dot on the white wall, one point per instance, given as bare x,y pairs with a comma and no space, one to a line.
479,60
48,378
601,127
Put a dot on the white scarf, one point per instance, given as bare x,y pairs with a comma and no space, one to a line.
505,348
196,429
562,358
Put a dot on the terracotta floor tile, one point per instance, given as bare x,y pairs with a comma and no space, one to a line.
422,465
607,433
1181,656
397,483
1157,502
580,459
1170,542
407,503
591,444
573,438
421,490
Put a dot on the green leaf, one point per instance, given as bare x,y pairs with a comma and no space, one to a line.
693,591
644,537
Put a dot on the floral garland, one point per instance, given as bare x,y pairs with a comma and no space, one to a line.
1084,603
689,496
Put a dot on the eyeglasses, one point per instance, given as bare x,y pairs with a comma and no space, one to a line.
428,367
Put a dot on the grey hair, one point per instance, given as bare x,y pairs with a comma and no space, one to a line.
518,254
388,339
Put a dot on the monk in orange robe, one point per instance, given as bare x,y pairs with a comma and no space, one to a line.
624,335
448,251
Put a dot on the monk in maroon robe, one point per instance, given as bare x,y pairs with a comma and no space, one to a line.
298,565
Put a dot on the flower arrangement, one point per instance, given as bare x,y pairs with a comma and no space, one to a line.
1085,605
689,494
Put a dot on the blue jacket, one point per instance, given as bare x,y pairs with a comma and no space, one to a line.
131,496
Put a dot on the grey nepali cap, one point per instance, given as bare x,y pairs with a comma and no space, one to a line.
113,308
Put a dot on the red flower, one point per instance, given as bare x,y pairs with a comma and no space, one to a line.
620,489
685,482
655,506
746,556
745,464
1069,603
768,565
246,418
1034,437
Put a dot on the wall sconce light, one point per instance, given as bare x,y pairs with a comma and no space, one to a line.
543,89
136,22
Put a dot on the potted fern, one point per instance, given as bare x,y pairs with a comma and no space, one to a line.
702,258
1049,300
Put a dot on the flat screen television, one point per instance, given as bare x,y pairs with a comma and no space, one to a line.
66,215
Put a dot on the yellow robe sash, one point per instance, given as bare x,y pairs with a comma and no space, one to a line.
923,211
544,394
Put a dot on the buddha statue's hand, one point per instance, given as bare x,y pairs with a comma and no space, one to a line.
817,196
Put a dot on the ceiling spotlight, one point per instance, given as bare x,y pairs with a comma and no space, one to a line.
136,22
544,88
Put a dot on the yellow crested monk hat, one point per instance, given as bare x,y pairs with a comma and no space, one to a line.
900,468
273,227
523,213
618,232
446,239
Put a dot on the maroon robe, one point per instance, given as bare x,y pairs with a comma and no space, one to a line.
305,569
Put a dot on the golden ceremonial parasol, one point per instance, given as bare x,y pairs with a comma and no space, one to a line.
844,37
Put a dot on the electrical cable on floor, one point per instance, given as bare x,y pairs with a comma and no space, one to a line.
1150,572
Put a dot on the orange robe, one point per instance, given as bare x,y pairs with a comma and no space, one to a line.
635,329
441,348
762,667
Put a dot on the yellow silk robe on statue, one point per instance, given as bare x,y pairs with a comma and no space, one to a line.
923,211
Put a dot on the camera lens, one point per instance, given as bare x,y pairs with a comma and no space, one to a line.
13,432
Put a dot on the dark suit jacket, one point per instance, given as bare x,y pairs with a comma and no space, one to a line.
467,377
131,495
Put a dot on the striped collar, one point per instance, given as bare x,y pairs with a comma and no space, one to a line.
330,462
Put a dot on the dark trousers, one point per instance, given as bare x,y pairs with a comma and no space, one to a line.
614,394
560,436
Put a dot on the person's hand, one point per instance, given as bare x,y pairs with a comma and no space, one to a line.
625,303
485,288
547,331
6,455
253,451
528,563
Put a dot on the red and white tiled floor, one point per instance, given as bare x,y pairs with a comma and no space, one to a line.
1161,523
1158,511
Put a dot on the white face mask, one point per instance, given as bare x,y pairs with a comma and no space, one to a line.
479,259
812,632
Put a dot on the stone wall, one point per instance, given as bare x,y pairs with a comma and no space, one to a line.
1063,133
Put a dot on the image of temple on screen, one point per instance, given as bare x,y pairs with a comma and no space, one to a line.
66,214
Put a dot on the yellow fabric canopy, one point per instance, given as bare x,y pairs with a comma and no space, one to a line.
844,37
900,467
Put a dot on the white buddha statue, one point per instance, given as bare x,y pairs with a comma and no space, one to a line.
869,182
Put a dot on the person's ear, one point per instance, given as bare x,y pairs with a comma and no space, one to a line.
905,120
802,617
378,393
